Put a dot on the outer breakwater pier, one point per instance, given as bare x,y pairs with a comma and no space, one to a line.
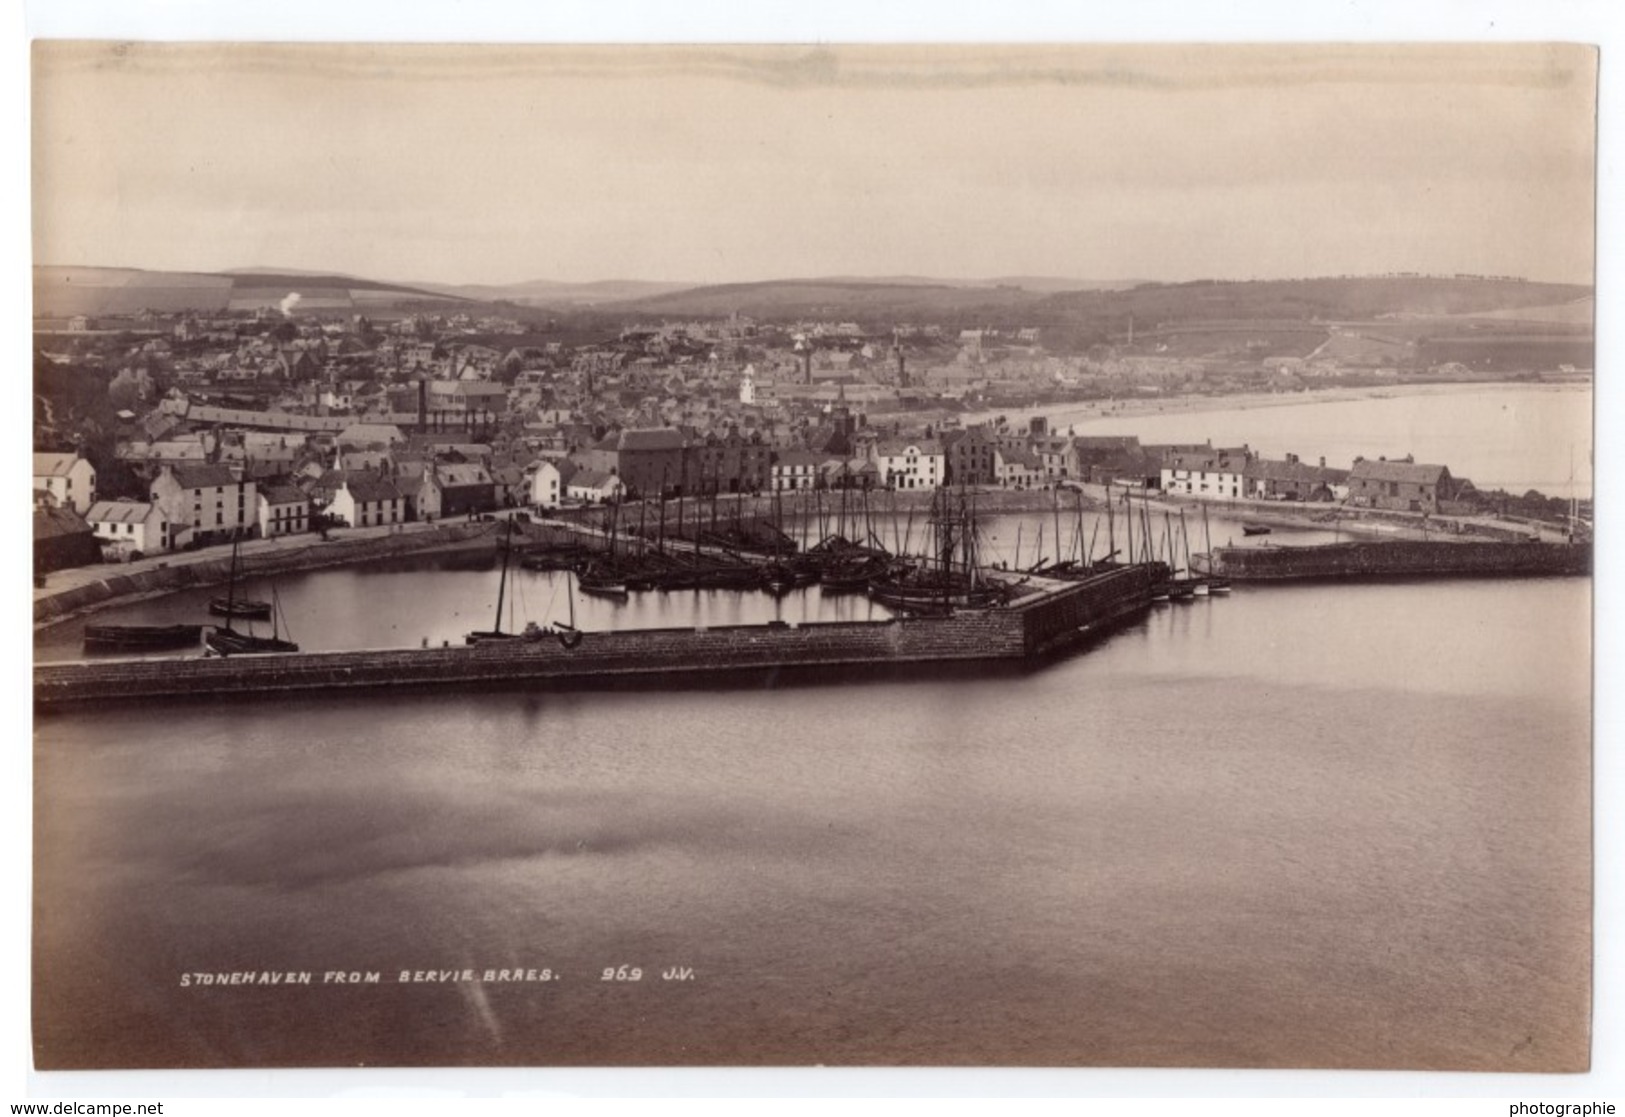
1051,617
1397,559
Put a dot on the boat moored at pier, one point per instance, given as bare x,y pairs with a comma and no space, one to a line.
141,637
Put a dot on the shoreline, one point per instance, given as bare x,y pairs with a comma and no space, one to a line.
84,590
76,592
93,589
1081,413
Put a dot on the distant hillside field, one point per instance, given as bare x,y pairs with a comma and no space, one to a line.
1357,299
1484,323
62,292
543,292
817,298
1580,312
65,291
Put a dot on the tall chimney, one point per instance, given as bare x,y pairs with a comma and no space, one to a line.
902,370
806,365
423,405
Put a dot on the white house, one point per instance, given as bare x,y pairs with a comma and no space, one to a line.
1207,474
368,504
1056,455
336,397
283,510
795,469
125,527
919,464
1016,467
546,486
203,502
590,486
67,477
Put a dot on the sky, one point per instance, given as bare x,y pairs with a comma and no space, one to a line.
716,164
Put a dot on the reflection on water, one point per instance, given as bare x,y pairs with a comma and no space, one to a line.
1324,826
408,603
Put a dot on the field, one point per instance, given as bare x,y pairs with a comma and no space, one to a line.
1484,323
65,291
865,303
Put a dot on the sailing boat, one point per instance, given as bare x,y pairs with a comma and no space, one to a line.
225,641
601,576
1215,584
233,606
952,577
496,633
1199,585
1179,589
569,635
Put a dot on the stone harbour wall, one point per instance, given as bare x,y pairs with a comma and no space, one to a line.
179,574
1402,559
1041,624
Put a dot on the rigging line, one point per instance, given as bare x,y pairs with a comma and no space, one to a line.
994,547
553,597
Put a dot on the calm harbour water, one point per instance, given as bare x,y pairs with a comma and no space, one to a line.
1328,826
439,598
1303,826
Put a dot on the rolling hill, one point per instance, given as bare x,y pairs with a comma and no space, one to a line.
1084,313
1355,298
547,292
862,300
66,291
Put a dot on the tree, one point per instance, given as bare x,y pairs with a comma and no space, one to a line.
130,387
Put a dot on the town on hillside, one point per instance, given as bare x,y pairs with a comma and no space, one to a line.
170,431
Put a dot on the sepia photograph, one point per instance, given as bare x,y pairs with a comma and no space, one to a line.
813,555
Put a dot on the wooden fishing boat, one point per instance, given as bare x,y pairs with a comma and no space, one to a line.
227,641
1211,583
1255,529
852,576
951,579
778,580
569,636
554,559
930,595
140,637
601,582
240,609
482,636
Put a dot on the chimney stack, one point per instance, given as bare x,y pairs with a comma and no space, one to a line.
423,405
806,365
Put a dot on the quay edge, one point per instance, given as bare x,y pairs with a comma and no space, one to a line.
1399,559
1050,621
